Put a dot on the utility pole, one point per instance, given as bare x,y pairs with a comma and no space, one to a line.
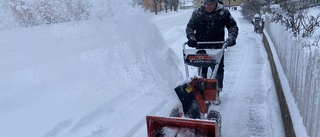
166,5
155,3
155,6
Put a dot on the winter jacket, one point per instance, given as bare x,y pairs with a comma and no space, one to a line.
206,26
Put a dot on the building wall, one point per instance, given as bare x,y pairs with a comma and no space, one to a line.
149,5
228,3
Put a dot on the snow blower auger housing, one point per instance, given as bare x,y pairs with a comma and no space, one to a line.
193,117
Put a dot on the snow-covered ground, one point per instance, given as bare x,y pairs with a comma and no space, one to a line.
100,79
249,104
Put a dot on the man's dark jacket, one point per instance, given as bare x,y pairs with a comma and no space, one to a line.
206,26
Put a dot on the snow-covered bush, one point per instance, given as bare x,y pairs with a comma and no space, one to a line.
294,16
310,24
37,12
54,11
250,8
7,21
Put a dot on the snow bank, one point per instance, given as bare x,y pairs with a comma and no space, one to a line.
68,79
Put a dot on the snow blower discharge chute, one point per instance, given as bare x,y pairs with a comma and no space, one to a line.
193,118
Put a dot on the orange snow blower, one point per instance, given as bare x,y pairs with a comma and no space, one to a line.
193,118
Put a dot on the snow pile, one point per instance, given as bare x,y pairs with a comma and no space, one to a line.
69,79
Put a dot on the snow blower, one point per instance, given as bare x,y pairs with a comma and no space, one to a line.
193,118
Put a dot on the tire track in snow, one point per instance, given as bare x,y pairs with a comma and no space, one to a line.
142,122
245,109
90,118
261,112
123,128
113,111
232,97
257,123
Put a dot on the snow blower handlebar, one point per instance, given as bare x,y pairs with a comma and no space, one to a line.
217,53
209,42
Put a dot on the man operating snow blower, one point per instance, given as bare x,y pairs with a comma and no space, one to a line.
194,117
208,23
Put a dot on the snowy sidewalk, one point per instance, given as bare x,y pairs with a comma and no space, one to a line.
249,104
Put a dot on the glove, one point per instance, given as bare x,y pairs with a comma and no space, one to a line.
231,41
192,42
